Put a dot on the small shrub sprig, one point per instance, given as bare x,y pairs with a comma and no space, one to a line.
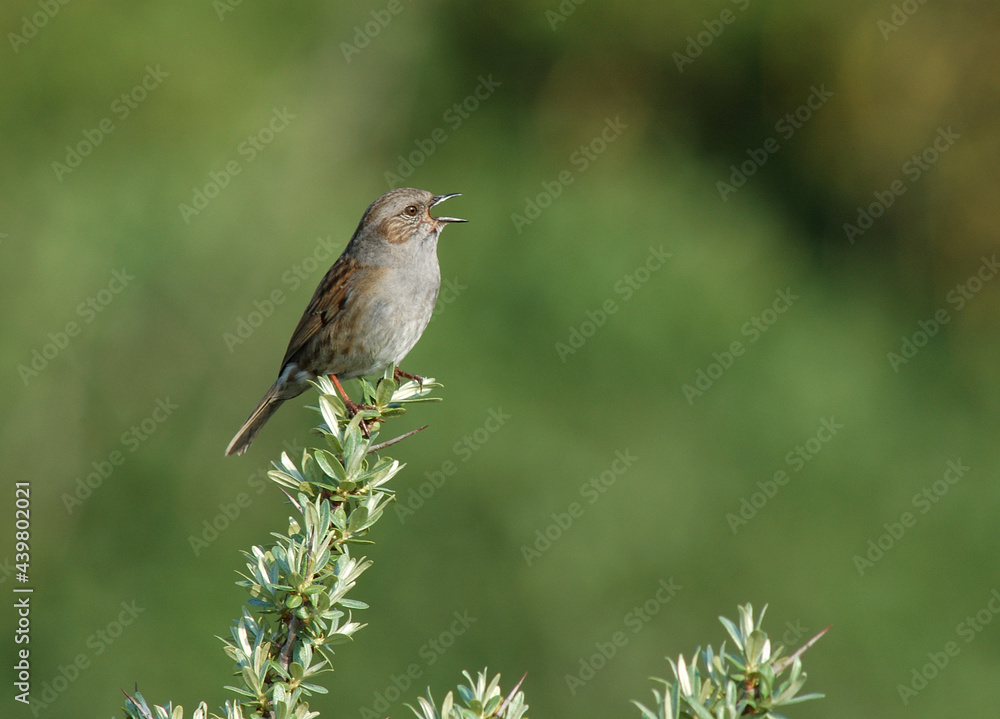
733,685
299,610
479,701
298,607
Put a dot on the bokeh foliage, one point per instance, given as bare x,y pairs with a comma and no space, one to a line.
153,380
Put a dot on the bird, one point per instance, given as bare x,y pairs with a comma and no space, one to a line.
370,308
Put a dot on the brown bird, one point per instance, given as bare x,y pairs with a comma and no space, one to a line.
370,308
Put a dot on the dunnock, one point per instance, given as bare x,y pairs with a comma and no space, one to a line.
370,308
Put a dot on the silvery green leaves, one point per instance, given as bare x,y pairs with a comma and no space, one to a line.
356,482
732,685
135,706
386,397
479,700
298,606
381,401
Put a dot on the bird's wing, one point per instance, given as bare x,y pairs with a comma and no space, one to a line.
328,300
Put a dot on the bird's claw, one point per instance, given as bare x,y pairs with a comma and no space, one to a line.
397,373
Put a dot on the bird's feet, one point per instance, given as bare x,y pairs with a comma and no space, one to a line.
397,373
354,408
366,425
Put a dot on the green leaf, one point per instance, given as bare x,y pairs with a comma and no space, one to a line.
756,646
338,638
339,517
646,713
322,602
252,681
733,632
314,688
309,469
466,694
384,391
492,704
803,698
354,454
336,444
700,711
330,465
358,519
332,408
352,604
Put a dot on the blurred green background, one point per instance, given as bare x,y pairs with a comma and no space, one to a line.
278,123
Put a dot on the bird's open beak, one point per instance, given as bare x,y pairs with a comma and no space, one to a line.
438,199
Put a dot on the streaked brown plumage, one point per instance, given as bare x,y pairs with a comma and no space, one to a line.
369,309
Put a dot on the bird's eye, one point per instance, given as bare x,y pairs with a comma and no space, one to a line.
411,210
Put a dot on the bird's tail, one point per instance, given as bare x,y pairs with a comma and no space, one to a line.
268,405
